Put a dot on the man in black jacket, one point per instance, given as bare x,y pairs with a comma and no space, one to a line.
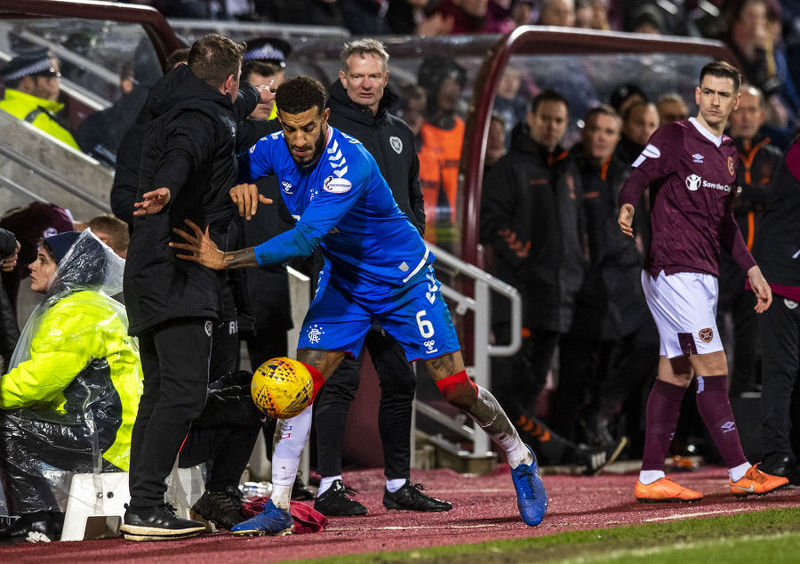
610,349
530,221
359,103
778,249
187,165
758,160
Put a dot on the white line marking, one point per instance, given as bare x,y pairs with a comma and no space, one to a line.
695,514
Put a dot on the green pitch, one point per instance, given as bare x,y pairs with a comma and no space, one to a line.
752,538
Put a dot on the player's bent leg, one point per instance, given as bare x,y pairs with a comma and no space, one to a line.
452,380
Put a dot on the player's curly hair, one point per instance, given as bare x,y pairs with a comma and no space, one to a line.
300,94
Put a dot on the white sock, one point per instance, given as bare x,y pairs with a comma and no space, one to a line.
326,483
737,472
292,436
281,496
394,485
649,476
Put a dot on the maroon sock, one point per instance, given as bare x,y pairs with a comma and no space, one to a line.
715,409
663,410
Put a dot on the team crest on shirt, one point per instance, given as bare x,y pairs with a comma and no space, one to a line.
706,334
396,143
731,168
336,185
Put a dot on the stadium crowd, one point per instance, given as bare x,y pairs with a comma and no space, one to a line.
548,226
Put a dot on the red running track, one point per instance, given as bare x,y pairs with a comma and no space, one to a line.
484,509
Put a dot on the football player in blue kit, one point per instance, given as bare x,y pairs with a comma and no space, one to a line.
377,268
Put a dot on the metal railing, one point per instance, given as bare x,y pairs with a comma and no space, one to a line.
481,306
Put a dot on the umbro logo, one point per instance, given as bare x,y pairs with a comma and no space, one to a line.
697,158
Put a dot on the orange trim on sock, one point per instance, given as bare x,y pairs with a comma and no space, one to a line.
317,377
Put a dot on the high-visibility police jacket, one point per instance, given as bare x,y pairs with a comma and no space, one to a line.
38,112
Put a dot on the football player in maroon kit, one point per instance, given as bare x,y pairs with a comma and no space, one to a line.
691,167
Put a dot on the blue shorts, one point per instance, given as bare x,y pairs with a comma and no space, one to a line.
416,316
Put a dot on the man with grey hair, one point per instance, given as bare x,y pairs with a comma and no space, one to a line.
359,103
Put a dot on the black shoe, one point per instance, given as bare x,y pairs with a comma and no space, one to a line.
335,502
595,459
223,508
158,522
48,523
410,497
300,492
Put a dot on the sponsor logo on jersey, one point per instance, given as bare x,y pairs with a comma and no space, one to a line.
429,345
315,333
286,186
693,182
706,334
731,168
396,143
791,304
337,185
728,426
697,158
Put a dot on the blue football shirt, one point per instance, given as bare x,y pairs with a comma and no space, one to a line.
344,205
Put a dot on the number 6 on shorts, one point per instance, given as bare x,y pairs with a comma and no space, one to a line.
425,326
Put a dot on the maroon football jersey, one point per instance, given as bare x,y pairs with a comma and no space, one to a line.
694,175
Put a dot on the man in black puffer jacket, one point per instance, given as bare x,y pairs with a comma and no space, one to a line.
530,219
359,104
609,352
187,165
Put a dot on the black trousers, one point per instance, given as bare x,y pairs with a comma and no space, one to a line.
175,363
780,399
740,303
518,380
265,344
597,376
398,384
225,432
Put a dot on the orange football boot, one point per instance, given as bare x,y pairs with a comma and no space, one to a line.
664,489
756,482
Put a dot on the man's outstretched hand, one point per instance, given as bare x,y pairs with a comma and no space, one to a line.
200,247
760,288
625,219
246,196
152,202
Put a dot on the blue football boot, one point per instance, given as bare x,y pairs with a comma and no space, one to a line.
531,497
271,521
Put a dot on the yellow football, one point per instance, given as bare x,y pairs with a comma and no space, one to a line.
282,387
